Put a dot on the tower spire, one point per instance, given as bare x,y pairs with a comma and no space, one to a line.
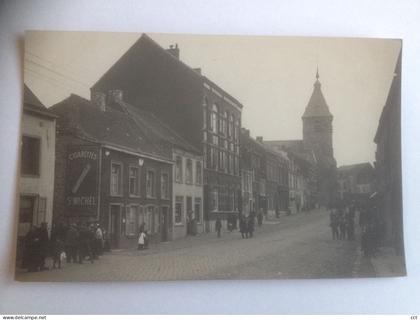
317,73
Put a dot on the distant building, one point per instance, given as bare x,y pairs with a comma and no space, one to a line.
356,181
253,174
156,80
114,165
36,182
317,144
277,181
388,165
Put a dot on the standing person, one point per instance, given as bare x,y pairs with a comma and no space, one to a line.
142,240
31,250
218,227
242,227
99,240
260,218
71,244
250,226
44,242
334,223
85,249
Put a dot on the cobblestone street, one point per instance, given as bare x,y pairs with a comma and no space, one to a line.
297,246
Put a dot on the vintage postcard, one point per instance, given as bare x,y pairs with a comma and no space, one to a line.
173,157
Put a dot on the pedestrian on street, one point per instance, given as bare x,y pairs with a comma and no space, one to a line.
218,227
32,250
260,218
71,244
142,240
85,241
99,240
250,226
243,227
44,242
334,223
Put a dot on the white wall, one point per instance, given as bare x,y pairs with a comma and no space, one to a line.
42,185
186,190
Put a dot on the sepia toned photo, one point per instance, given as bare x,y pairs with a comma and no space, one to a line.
197,157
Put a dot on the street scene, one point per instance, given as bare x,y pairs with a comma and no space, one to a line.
184,157
279,249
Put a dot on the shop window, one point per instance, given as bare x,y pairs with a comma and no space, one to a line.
131,220
178,209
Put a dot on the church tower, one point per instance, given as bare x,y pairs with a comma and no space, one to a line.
317,141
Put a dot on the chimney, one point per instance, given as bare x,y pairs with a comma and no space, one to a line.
115,95
198,70
260,139
174,50
98,99
245,132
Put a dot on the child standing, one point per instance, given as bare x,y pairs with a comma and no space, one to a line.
142,240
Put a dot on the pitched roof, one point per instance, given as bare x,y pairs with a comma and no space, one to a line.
32,104
317,106
353,169
114,128
292,145
156,128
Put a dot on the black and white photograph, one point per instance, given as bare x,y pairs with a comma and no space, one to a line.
151,156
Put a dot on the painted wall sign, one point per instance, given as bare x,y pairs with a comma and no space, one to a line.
82,180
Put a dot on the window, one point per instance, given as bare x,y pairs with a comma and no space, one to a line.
189,172
164,185
150,211
151,184
134,181
230,127
214,200
178,169
213,119
197,210
213,157
116,179
222,161
30,156
222,123
178,209
131,220
198,173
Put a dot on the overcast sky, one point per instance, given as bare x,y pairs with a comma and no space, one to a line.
271,76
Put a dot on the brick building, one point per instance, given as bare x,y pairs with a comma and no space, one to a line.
156,80
114,164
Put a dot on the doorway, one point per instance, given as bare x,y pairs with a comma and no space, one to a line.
164,223
114,225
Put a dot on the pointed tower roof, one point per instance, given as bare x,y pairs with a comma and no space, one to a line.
317,106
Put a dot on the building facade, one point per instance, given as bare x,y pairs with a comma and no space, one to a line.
388,166
156,80
36,181
110,170
356,182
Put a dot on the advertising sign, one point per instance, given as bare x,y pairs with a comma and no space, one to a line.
82,180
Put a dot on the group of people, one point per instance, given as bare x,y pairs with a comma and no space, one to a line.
342,218
246,224
342,223
72,243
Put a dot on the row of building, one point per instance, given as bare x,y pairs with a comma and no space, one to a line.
161,145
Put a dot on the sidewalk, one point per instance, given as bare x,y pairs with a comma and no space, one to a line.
387,264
